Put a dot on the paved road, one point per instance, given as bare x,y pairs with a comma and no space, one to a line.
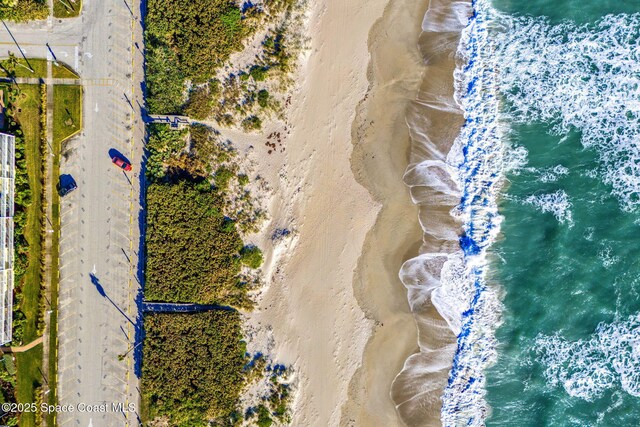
100,234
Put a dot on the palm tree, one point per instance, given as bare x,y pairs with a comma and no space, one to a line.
10,65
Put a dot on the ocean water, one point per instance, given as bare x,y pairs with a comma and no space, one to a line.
544,294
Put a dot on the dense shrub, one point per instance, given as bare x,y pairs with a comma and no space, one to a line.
258,73
182,154
252,123
199,104
222,178
187,40
243,179
163,145
192,249
251,256
192,369
263,98
164,80
23,10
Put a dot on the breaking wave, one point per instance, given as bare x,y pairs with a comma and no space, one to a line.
509,70
581,78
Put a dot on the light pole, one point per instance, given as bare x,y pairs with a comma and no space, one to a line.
122,356
19,48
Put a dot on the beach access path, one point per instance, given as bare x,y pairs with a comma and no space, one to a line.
100,220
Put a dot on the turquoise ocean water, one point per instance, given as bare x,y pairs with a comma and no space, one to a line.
549,165
568,258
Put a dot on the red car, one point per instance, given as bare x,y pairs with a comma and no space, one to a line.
121,163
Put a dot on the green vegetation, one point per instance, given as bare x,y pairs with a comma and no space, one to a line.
199,105
67,111
192,368
243,179
192,248
165,82
274,402
258,73
188,41
222,177
67,8
194,254
63,71
23,10
164,146
29,287
251,256
188,153
264,419
19,67
29,382
251,123
263,98
277,51
196,205
26,119
55,279
244,98
28,217
7,388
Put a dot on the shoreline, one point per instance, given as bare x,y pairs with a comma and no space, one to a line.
333,306
435,120
381,155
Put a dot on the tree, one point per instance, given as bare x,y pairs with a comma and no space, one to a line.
10,65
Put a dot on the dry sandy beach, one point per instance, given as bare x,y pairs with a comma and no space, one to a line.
333,306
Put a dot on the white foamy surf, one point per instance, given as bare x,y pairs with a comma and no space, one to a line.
455,179
581,78
542,73
556,203
587,368
478,158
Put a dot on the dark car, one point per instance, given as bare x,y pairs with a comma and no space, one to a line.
66,184
121,163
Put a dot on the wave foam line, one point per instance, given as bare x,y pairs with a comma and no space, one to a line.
572,77
478,160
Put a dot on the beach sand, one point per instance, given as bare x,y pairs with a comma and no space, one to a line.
379,161
332,306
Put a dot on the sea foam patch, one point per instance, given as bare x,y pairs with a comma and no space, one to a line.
581,78
556,203
587,368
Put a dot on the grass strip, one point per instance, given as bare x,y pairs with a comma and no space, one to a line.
39,66
63,71
55,281
67,111
23,68
67,8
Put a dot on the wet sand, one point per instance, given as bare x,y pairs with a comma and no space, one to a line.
381,154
